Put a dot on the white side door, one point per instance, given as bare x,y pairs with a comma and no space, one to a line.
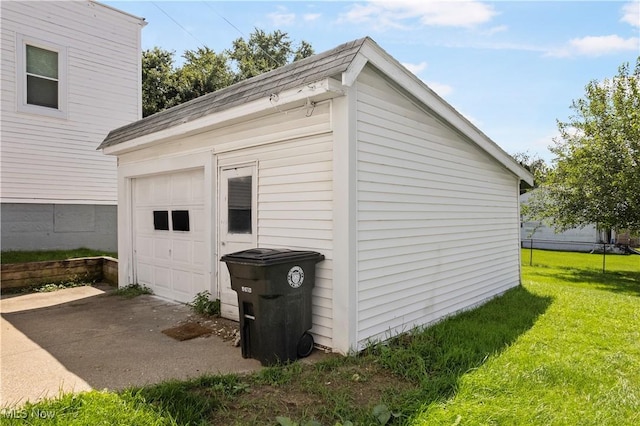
237,226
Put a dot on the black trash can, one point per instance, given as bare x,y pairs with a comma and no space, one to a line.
274,299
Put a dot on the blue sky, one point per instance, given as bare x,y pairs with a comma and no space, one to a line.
511,67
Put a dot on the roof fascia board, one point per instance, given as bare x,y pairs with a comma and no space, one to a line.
140,20
374,54
320,90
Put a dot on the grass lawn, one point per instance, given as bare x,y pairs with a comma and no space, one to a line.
563,349
43,255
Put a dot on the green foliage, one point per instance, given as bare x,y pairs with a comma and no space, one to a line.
88,408
204,71
203,305
278,375
159,86
286,421
596,178
131,291
560,349
265,52
534,164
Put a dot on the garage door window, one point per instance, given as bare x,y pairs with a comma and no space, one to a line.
180,219
240,205
161,220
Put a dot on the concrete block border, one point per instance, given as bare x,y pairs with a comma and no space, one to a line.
91,269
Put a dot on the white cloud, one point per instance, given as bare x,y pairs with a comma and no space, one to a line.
631,13
393,14
311,16
415,68
440,88
282,17
494,30
596,46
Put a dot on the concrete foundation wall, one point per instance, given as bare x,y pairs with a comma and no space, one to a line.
58,226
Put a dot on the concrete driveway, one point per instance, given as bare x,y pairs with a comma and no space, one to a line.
82,338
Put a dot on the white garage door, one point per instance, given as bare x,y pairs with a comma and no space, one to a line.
169,234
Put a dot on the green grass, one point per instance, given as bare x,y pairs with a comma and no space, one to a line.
131,291
43,255
562,349
578,364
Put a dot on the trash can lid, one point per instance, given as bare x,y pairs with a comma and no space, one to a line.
266,256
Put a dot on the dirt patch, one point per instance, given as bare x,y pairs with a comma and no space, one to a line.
322,392
187,331
227,330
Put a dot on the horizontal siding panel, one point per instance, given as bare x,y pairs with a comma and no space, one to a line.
56,159
414,281
438,258
437,218
296,188
287,197
297,224
295,201
416,314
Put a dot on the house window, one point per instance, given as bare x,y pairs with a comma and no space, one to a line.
240,205
41,77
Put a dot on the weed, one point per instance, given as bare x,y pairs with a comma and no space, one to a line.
561,349
203,305
278,374
131,291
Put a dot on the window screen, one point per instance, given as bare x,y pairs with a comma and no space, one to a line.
161,220
240,197
180,219
42,77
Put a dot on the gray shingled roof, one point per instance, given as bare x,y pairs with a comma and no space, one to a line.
314,68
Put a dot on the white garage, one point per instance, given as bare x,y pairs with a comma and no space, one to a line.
345,153
168,234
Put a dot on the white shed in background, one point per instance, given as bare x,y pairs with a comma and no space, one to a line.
345,153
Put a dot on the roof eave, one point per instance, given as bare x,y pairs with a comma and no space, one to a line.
315,92
374,54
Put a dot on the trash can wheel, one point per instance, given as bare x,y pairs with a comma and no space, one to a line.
305,345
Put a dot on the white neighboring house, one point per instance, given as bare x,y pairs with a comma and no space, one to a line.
71,71
540,236
346,153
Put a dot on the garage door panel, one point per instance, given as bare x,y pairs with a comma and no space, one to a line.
171,262
162,249
145,274
161,277
199,250
144,246
182,252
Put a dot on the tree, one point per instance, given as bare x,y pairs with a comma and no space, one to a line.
158,80
533,164
596,174
203,71
265,52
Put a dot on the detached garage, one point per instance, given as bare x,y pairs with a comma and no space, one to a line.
345,153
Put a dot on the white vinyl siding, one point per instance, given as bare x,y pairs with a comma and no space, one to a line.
293,155
437,218
295,209
53,159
